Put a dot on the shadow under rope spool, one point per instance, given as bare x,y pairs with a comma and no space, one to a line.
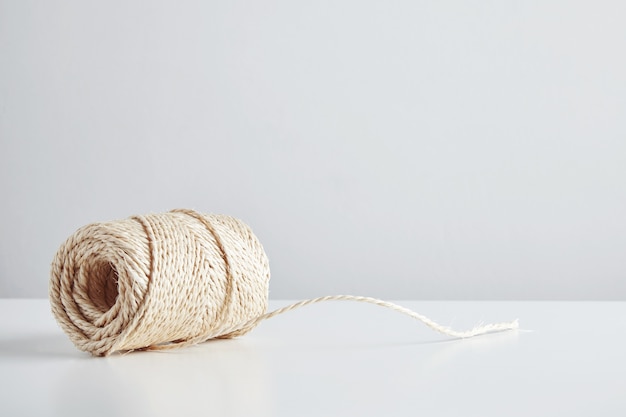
222,377
39,347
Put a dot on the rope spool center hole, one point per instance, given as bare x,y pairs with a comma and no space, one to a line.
102,289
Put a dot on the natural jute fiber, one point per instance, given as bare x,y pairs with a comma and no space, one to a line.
162,281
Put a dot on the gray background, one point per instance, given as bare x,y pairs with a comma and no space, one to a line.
399,149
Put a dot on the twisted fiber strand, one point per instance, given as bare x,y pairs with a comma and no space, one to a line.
478,330
164,281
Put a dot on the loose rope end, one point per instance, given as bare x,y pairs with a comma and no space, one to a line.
485,329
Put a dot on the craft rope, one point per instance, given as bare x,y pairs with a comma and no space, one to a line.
164,281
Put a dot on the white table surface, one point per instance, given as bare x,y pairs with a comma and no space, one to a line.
333,359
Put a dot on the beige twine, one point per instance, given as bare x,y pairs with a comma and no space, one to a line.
168,280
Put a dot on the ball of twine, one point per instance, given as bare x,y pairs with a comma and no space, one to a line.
158,280
163,281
